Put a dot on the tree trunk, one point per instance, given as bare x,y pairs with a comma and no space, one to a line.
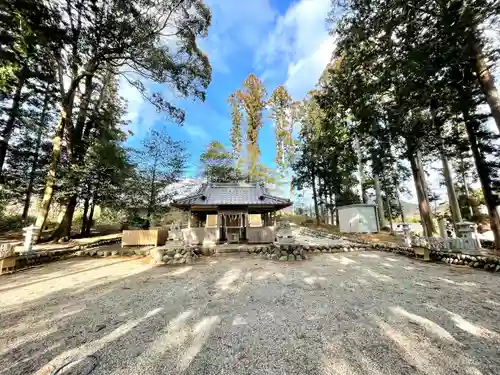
48,193
466,187
321,196
337,216
315,194
51,174
332,205
86,204
361,172
91,217
423,202
11,121
403,216
390,212
29,191
423,178
486,81
64,120
63,230
152,192
484,177
380,202
452,197
75,147
77,153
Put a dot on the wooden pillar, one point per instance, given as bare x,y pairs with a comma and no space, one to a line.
246,224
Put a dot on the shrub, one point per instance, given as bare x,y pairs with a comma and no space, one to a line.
14,222
138,222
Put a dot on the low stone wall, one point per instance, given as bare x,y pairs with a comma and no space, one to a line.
109,241
96,252
298,252
25,260
34,258
179,255
475,261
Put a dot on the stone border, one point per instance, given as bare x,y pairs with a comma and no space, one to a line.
297,251
475,261
99,243
93,252
33,258
179,255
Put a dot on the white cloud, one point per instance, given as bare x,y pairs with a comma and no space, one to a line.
235,24
217,52
196,132
141,114
246,20
304,74
300,42
135,106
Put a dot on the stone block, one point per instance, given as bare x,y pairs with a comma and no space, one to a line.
170,251
157,254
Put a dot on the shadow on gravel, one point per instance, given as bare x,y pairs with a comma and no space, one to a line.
80,264
380,315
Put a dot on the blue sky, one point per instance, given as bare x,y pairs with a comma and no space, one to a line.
281,41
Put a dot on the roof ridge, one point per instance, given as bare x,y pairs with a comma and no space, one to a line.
253,193
276,197
195,194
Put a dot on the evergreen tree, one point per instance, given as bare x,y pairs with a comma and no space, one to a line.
219,164
280,104
160,162
248,104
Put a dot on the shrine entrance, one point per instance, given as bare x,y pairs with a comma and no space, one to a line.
233,226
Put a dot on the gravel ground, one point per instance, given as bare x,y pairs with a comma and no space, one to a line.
358,313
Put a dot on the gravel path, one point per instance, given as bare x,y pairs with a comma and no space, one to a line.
358,313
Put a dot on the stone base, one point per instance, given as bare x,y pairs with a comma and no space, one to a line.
179,255
285,241
298,252
209,244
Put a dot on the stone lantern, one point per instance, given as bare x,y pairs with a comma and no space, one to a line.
407,234
29,233
467,232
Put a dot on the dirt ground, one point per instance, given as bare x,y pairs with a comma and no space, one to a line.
353,313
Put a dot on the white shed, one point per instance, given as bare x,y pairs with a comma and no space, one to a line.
358,218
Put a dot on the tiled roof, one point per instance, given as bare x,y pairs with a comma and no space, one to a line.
241,194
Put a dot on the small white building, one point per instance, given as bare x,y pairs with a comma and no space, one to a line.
358,218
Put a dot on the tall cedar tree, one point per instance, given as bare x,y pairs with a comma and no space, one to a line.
252,98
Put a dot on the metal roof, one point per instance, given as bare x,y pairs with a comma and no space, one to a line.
232,194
